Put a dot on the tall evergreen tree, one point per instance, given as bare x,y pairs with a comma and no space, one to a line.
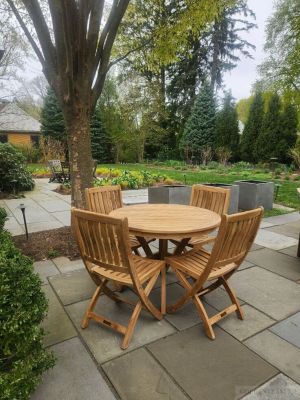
252,129
270,134
288,132
227,126
52,120
200,128
101,143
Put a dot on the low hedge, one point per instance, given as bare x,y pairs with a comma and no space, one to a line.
23,306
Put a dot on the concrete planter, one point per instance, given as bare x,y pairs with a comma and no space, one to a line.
234,195
255,193
169,194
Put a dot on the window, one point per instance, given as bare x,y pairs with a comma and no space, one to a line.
3,138
35,140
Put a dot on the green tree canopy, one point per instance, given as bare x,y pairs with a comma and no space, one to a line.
52,120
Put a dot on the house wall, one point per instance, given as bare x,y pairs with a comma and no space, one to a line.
19,139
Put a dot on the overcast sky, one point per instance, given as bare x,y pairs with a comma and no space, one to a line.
244,75
240,79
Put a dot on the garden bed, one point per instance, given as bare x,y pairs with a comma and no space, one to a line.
48,244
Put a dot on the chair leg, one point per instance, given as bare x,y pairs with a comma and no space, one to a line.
203,314
234,299
163,291
91,305
136,252
131,325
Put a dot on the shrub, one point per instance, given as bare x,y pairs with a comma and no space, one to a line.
3,217
13,174
31,153
22,308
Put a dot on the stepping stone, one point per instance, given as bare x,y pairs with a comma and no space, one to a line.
185,317
253,323
270,293
64,264
278,388
64,217
104,343
283,219
289,329
74,376
73,287
137,376
281,264
277,352
45,269
211,369
57,324
246,264
292,229
274,240
290,251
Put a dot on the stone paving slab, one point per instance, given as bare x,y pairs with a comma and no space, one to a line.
64,264
12,225
74,376
57,324
273,240
253,323
289,329
73,287
64,217
45,269
221,369
270,293
292,229
43,226
219,299
55,205
185,317
283,219
279,388
255,247
34,213
281,264
137,376
290,251
277,352
103,342
246,264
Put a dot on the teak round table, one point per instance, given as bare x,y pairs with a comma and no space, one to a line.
168,221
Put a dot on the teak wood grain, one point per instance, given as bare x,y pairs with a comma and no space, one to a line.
104,246
168,221
235,237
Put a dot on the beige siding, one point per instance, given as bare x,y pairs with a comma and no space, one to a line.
19,138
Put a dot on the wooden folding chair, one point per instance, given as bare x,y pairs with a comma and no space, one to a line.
104,246
235,237
103,200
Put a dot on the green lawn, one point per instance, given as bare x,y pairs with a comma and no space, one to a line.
287,195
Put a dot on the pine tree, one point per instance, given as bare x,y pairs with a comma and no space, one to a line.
288,132
227,126
270,134
101,144
200,128
52,120
252,129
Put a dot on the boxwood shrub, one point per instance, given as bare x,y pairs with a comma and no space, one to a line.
14,175
22,308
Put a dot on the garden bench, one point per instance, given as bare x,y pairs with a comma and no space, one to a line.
60,171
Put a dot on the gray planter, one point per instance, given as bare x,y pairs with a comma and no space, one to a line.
169,194
255,193
234,195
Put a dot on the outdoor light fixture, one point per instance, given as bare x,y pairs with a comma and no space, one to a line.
22,208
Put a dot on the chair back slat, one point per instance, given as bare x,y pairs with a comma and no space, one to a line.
103,240
236,235
104,199
212,198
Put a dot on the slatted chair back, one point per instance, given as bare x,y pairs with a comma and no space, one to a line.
212,198
235,238
103,240
104,199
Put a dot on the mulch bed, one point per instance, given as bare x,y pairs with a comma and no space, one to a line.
48,244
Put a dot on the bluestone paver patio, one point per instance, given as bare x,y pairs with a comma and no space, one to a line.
254,359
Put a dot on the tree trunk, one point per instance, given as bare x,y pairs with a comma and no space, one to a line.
80,154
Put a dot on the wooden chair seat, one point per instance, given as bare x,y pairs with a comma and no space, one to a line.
201,241
194,263
145,268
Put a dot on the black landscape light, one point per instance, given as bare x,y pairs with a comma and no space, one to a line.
22,208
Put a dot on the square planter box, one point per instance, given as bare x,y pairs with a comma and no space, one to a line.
255,193
234,195
169,194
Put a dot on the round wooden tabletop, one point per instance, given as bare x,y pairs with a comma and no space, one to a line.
168,221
